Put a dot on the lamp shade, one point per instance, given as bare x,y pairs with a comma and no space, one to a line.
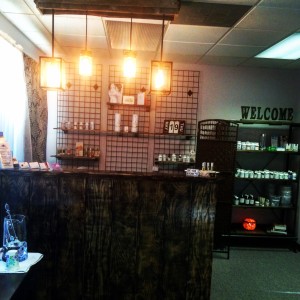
85,63
52,73
129,65
161,77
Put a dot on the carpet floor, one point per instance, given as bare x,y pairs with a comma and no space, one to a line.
256,274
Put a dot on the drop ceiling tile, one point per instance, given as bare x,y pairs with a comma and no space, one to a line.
235,2
195,34
14,6
294,4
266,63
267,18
249,37
24,22
235,51
186,48
181,58
221,60
210,14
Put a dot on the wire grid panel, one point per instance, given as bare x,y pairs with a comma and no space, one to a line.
216,142
217,129
79,109
127,150
181,104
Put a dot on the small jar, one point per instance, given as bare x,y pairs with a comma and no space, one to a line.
174,158
92,125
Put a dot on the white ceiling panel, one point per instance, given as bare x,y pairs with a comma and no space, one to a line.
14,6
294,4
235,51
194,34
186,48
249,37
221,60
276,19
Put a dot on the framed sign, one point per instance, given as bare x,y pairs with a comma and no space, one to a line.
174,127
128,99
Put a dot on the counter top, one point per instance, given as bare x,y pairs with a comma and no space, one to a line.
83,172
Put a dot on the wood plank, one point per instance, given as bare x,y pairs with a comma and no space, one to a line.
117,8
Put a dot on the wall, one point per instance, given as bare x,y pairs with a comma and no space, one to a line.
226,89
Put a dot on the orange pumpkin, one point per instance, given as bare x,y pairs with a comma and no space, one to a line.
249,224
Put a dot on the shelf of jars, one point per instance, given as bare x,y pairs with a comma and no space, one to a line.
73,157
270,151
113,106
174,163
129,134
265,175
261,230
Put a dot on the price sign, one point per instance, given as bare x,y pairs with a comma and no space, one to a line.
174,126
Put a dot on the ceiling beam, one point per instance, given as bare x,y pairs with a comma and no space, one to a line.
142,9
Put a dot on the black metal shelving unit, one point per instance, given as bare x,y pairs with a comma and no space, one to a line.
275,161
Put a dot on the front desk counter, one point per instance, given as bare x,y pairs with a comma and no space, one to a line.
114,235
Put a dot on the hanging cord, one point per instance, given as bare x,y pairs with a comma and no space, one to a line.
52,32
162,39
86,32
130,32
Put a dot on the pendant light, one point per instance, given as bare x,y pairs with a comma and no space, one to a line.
85,60
52,75
161,72
129,64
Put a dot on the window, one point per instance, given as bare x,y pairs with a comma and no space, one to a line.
13,98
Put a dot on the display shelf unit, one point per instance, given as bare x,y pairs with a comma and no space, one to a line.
80,102
128,151
181,105
217,143
266,188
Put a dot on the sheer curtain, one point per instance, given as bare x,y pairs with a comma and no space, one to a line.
14,118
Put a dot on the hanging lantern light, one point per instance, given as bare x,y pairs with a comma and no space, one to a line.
86,59
161,72
52,73
129,64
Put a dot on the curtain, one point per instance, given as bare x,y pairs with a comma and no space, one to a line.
13,99
38,112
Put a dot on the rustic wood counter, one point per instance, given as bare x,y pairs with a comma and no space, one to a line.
115,235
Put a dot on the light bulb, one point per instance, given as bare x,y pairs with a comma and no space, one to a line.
159,79
85,63
129,65
52,74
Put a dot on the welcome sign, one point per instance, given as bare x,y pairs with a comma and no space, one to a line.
268,114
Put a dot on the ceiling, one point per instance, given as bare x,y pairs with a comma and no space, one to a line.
215,32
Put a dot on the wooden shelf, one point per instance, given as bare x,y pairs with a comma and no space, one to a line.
117,105
72,157
174,163
262,207
269,152
127,134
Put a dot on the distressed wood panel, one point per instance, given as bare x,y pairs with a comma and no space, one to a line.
115,237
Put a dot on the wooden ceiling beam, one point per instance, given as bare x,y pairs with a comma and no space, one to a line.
144,9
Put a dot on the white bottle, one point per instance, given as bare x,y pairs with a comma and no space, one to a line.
192,155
